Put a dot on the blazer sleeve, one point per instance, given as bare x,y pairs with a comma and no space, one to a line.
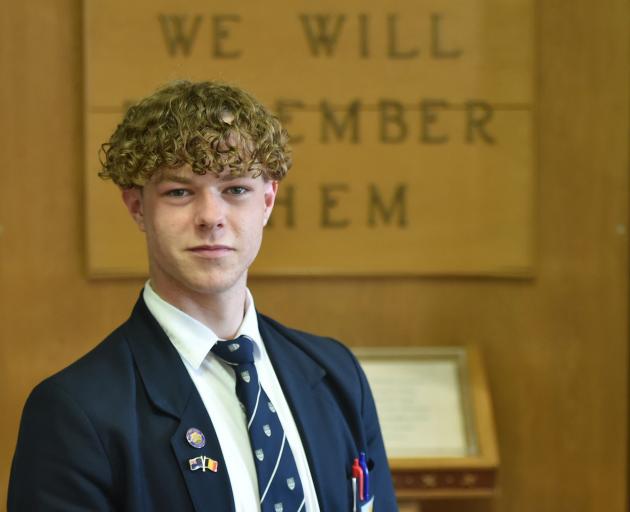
60,463
381,486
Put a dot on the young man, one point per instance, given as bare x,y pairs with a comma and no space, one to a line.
165,414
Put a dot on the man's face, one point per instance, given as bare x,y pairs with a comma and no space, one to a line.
203,232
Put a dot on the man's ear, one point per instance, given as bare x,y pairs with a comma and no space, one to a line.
132,198
271,189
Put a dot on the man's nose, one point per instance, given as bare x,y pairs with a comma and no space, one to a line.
209,211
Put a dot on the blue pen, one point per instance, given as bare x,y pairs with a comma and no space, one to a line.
366,478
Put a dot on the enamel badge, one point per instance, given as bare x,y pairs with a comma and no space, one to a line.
204,463
195,438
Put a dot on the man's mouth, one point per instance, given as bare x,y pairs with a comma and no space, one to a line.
211,251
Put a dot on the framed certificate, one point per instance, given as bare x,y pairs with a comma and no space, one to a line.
435,413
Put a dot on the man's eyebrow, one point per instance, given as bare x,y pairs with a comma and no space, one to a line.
230,177
174,177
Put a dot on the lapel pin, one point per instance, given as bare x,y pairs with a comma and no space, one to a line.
204,463
195,438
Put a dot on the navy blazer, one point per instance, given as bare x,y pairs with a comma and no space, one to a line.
108,432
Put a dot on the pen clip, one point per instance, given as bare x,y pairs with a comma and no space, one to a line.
366,476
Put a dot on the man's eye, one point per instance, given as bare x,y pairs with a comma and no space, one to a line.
178,192
237,191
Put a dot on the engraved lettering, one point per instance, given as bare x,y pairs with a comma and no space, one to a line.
221,33
284,109
179,34
284,199
350,122
364,50
437,49
394,51
428,117
479,114
330,200
392,126
397,206
322,32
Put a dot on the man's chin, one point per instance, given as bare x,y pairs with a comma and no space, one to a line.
215,285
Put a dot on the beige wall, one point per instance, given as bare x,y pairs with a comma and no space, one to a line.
556,347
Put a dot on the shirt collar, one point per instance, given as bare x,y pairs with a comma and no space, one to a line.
192,339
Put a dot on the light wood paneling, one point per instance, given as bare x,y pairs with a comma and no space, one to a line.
556,347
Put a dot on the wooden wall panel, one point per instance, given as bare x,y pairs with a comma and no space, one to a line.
556,347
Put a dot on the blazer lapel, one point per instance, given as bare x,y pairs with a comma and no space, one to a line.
209,490
316,417
171,390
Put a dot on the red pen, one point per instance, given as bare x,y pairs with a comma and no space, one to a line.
357,473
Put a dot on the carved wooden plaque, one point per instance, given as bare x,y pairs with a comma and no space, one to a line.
412,126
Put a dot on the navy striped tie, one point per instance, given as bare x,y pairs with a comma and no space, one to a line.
279,484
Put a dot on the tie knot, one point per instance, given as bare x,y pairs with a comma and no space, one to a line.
235,352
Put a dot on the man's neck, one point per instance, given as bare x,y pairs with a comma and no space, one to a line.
222,312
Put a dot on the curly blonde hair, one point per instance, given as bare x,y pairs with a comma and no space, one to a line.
211,126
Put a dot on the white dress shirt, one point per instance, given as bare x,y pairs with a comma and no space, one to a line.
215,381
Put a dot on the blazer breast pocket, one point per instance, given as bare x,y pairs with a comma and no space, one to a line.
362,497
